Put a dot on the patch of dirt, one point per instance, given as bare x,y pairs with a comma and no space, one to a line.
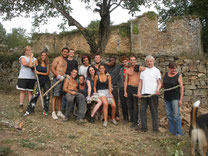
44,136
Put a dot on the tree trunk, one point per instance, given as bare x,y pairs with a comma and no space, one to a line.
104,28
104,32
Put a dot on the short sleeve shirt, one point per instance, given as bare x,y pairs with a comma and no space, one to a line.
149,79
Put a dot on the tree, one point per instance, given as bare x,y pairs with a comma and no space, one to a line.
17,38
169,8
2,33
43,10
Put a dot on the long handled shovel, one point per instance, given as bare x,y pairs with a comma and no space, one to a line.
41,97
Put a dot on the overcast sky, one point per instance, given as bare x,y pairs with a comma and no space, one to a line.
82,15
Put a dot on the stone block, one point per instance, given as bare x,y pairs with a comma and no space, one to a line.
188,62
193,68
188,92
200,92
185,69
203,83
190,87
201,68
195,82
201,75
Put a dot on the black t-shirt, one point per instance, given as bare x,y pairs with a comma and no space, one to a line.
114,72
71,64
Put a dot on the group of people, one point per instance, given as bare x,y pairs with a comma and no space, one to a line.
99,88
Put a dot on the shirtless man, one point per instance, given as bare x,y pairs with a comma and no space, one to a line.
70,87
58,68
130,87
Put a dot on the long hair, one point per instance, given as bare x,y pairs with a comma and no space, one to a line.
39,58
88,71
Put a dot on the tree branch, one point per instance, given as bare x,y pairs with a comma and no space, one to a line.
71,20
117,5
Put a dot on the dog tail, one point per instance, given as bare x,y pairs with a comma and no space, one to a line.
194,113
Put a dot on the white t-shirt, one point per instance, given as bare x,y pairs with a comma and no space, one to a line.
149,79
26,72
83,70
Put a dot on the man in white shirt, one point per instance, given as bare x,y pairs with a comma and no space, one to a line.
149,85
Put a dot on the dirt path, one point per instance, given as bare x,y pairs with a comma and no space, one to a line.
42,136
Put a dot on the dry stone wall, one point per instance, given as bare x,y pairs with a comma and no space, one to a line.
181,36
194,72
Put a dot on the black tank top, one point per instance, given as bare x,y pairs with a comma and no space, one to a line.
43,70
170,82
84,91
102,85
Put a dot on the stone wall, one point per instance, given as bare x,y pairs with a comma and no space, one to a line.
195,75
181,36
76,41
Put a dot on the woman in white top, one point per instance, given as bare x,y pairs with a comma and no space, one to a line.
26,78
85,64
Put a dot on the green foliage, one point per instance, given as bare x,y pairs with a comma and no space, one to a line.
28,144
17,38
36,36
135,29
9,58
94,25
124,30
4,151
2,33
151,15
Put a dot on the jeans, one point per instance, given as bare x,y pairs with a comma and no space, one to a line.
78,99
153,103
64,101
44,85
173,115
133,105
124,107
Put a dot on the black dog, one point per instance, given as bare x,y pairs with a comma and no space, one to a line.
198,130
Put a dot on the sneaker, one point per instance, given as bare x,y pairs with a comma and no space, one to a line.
105,123
81,121
60,114
114,122
21,108
26,113
54,116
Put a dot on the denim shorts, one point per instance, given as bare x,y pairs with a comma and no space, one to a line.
103,92
57,90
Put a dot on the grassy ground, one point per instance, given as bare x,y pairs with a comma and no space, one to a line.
42,136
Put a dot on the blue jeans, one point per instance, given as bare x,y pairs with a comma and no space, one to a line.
173,115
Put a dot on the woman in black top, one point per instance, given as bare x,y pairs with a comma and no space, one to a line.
42,70
103,86
91,73
173,99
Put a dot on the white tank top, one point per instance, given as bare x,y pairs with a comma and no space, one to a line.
26,72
